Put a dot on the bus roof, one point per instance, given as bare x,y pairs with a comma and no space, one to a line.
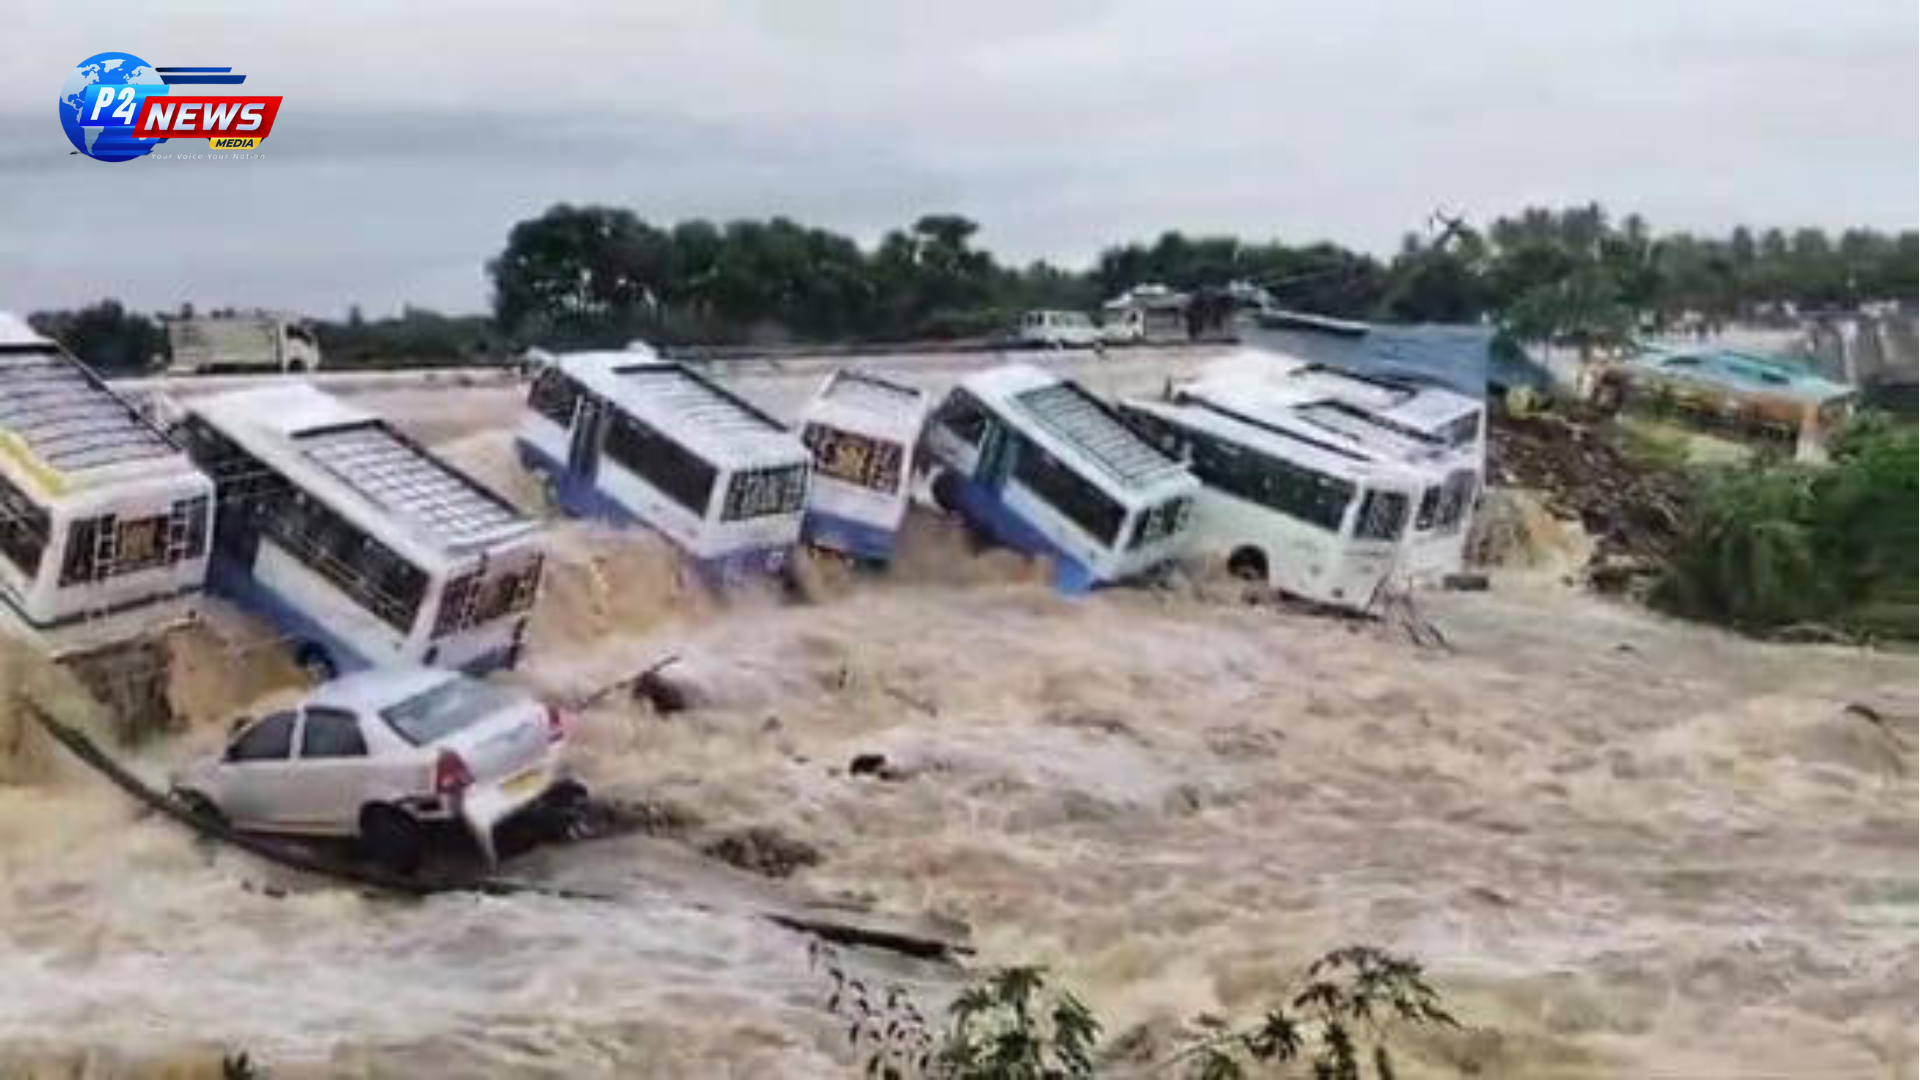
322,442
872,401
1349,430
1066,415
65,418
1419,406
712,421
1285,442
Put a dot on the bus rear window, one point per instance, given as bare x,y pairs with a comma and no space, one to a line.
854,458
762,492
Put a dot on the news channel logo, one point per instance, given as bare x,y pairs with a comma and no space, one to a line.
107,111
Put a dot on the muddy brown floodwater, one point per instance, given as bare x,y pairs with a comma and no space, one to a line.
1625,846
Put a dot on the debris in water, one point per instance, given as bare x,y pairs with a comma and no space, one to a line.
762,850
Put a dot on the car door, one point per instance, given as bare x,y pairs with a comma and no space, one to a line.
332,768
254,773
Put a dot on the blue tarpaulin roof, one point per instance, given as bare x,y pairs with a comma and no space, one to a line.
1460,357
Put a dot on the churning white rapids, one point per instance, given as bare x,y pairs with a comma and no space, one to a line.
1624,846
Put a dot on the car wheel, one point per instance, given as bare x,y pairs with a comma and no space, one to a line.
1248,564
392,839
317,662
198,805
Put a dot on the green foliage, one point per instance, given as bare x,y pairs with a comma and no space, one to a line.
416,337
239,1067
1775,545
1012,1025
596,275
106,336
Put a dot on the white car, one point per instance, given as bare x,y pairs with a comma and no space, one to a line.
381,754
1058,329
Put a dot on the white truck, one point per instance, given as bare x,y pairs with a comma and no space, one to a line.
203,344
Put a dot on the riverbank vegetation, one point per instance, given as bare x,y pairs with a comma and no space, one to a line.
603,275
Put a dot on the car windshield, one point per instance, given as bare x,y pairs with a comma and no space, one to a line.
439,711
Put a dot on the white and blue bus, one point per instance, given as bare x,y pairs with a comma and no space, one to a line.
863,431
103,521
359,544
1441,434
1040,464
627,437
1308,512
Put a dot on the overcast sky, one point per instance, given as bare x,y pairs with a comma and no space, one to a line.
414,134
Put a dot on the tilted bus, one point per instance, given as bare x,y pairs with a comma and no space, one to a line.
863,431
1043,466
358,543
1282,503
103,520
1441,432
627,437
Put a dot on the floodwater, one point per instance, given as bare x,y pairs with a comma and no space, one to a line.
1624,846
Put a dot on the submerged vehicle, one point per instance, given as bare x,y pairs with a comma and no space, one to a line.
863,431
1040,464
104,521
381,755
362,546
628,437
1438,434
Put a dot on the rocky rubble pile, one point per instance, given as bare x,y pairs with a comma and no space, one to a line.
1633,514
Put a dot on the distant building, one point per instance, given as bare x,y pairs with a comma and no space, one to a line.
1147,313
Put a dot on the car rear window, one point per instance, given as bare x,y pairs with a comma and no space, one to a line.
439,711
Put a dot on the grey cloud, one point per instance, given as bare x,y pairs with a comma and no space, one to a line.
413,135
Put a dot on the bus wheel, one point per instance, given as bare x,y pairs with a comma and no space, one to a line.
1248,564
946,493
392,839
316,662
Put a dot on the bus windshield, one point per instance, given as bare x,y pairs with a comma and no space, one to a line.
1383,516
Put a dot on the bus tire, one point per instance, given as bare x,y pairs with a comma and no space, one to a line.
1248,564
392,839
316,661
945,491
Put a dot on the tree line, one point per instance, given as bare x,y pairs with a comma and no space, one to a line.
600,275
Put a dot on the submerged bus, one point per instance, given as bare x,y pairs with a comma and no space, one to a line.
1440,433
627,437
359,544
862,430
1300,512
103,520
1043,466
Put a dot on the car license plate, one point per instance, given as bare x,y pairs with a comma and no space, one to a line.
525,782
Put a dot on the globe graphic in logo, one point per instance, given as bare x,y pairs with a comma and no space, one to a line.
103,141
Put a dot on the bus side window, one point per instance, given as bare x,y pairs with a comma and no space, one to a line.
1429,508
553,396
